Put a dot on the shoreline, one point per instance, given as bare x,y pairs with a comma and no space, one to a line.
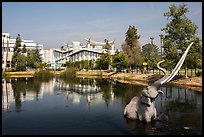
194,83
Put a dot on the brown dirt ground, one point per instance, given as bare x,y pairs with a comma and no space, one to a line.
194,83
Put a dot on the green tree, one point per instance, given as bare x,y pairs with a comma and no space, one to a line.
17,51
24,50
30,60
34,59
131,47
91,64
103,62
20,62
194,60
151,55
37,55
179,33
69,64
119,61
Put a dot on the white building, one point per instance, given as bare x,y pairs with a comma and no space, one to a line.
9,43
92,50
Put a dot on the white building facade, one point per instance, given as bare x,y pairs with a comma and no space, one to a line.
92,50
54,57
8,49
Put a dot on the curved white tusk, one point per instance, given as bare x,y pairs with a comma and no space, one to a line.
178,66
160,68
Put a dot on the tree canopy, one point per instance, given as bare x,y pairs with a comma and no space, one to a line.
131,47
179,33
150,54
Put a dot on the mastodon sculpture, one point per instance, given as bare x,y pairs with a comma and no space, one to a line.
143,107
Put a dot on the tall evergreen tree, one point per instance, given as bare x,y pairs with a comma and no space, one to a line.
179,33
24,50
17,50
104,61
131,47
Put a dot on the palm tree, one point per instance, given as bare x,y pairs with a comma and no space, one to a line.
7,49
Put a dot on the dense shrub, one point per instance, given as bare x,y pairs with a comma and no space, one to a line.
70,72
43,74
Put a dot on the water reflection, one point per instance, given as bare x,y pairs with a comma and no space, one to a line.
95,91
183,106
18,90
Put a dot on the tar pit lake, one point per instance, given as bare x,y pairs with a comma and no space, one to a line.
80,106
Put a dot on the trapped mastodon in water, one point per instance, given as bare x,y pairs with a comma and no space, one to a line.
143,107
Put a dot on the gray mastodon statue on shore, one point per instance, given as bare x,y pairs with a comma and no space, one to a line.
143,107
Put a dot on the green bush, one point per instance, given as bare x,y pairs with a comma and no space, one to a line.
43,74
70,72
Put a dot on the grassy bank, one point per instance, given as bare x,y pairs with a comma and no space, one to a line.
194,83
19,74
29,73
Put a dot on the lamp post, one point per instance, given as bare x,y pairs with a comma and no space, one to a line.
161,40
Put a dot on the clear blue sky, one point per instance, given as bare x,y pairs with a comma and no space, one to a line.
52,23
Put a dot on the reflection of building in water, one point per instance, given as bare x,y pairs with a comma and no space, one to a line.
80,88
91,98
48,87
8,95
90,92
98,98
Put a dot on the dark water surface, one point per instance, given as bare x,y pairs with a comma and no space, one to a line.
92,106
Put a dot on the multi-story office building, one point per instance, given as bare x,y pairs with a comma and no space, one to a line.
55,57
92,50
8,49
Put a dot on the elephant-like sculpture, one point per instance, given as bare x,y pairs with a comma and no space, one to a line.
143,107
